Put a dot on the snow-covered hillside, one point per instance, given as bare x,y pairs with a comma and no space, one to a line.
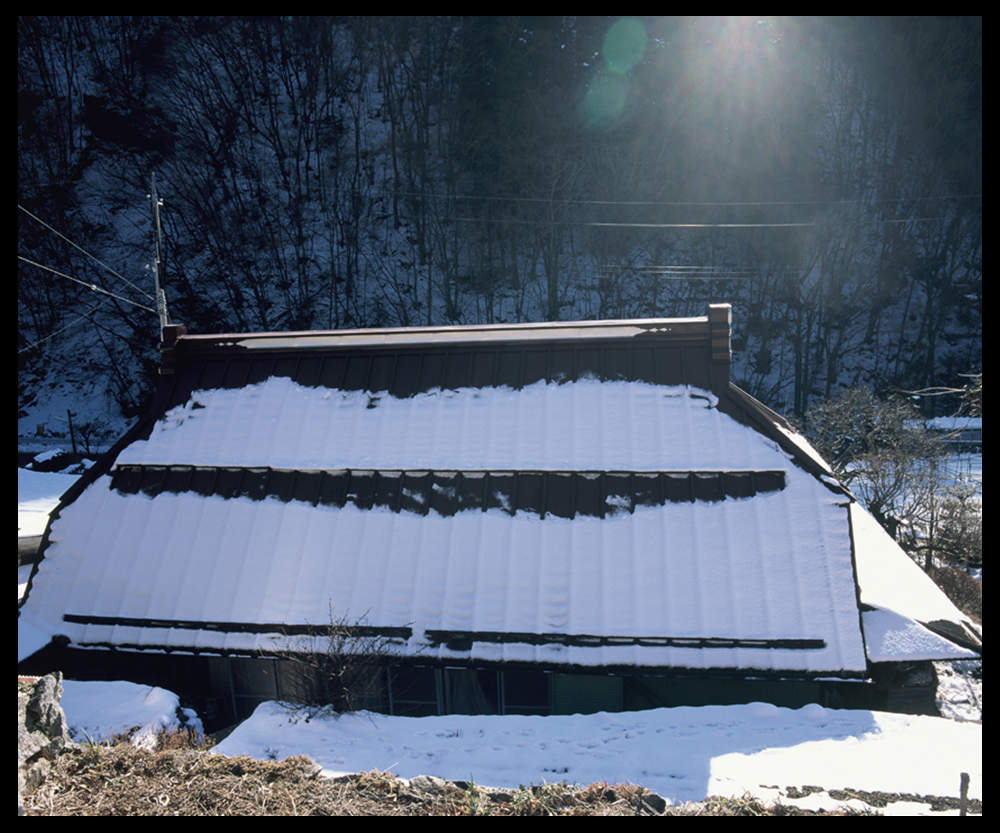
323,173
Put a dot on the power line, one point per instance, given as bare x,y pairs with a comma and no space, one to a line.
598,224
73,323
569,222
696,225
93,287
692,204
88,254
687,273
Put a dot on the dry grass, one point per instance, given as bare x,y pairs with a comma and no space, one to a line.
184,778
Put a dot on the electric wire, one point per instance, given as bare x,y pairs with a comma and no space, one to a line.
594,224
431,195
63,329
648,203
91,286
88,254
696,225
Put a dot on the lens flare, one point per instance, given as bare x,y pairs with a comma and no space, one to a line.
624,45
604,97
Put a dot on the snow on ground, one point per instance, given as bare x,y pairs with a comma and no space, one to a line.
96,710
965,467
684,753
960,689
23,573
37,495
83,391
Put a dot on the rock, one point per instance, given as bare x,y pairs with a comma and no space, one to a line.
429,787
44,712
650,802
42,734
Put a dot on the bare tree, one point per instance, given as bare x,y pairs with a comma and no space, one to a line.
891,465
335,668
970,394
958,535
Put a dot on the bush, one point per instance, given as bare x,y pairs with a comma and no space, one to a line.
890,466
335,668
964,591
958,531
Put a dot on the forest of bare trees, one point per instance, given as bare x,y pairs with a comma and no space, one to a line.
823,175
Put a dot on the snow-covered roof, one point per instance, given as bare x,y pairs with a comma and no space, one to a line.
905,614
605,513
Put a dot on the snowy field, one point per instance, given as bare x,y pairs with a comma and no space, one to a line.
965,468
684,754
37,495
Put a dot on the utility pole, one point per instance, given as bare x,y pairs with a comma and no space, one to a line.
161,298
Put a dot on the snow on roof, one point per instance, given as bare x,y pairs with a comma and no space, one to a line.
763,582
679,571
758,578
587,425
903,596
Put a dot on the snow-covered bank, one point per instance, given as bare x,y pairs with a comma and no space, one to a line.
37,495
684,754
95,711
